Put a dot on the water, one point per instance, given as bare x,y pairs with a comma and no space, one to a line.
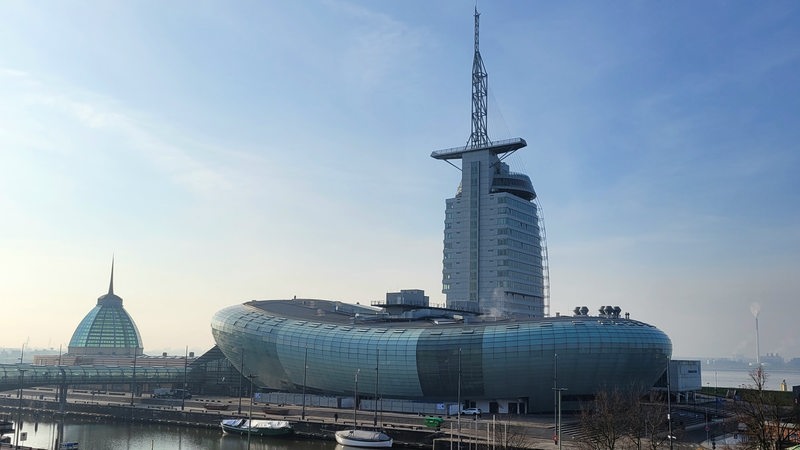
736,378
102,435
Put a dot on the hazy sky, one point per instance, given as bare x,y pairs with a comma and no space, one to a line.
229,151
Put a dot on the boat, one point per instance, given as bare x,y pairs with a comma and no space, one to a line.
257,427
363,439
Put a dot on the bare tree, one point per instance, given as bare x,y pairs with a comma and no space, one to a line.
509,436
650,424
609,421
762,414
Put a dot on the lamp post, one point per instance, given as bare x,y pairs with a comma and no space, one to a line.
305,372
555,391
458,410
133,381
185,367
670,437
250,410
17,429
241,375
377,374
558,391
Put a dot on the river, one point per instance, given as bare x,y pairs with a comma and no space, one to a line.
736,378
109,435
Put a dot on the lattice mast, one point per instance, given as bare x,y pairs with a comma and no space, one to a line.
480,135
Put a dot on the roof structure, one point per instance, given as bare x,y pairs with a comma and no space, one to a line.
107,329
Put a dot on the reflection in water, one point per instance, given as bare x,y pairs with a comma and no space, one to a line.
347,447
107,435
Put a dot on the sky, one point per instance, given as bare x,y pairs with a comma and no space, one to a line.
227,151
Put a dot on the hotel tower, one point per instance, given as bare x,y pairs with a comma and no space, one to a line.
493,258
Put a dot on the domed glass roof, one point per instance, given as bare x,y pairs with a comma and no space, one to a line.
107,329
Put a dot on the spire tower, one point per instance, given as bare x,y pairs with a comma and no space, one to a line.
492,258
480,134
111,283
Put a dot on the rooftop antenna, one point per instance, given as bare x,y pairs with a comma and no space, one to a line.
111,283
480,135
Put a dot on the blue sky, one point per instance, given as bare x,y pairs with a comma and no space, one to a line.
228,151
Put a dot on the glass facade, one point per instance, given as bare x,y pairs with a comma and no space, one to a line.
495,361
106,330
12,376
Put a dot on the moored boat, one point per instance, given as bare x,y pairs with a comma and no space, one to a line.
257,427
363,439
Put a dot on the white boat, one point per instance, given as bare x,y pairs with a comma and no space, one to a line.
257,427
363,439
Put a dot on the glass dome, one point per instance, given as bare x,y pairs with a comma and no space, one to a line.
107,329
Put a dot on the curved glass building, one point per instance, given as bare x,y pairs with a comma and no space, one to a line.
425,354
107,329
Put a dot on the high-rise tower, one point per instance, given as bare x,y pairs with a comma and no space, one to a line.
492,242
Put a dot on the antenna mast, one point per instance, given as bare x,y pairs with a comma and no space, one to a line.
479,136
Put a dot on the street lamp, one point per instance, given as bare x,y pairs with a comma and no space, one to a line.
185,366
305,372
250,410
670,437
377,375
458,411
18,429
555,390
558,411
241,375
133,381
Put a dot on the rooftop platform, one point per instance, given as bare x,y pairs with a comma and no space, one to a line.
497,147
317,312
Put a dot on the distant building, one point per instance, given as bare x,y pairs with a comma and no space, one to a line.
107,330
108,336
683,380
773,359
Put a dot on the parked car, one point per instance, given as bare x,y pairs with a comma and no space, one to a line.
471,412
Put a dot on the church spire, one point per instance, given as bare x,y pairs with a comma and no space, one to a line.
480,135
111,283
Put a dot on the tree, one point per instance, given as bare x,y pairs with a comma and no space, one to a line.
609,420
763,414
508,436
651,425
621,419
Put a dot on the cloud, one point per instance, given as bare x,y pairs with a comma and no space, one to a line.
196,167
379,49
